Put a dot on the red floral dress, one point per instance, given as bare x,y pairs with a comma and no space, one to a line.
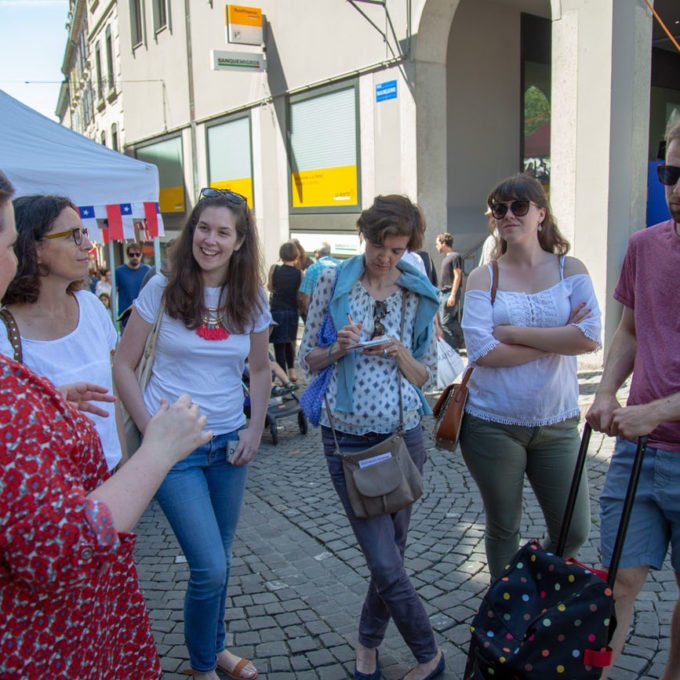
70,604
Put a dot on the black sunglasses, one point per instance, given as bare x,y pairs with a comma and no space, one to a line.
379,313
237,199
134,254
668,174
519,208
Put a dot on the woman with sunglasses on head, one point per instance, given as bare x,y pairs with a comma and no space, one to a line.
66,333
522,413
365,297
215,315
71,603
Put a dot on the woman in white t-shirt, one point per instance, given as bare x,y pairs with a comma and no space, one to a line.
522,413
215,316
66,333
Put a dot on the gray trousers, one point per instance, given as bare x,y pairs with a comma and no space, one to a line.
498,456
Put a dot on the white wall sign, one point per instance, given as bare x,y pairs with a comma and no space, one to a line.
237,61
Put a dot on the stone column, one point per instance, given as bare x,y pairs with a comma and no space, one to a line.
599,133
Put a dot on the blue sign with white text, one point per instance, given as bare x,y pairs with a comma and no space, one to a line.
387,90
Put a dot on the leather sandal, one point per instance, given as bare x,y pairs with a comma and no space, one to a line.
236,672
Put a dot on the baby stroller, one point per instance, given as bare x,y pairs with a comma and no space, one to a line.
282,404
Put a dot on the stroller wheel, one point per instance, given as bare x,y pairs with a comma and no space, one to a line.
273,429
302,422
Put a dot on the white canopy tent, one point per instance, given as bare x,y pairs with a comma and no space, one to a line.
40,156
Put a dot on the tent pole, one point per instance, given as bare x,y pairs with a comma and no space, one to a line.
157,254
114,294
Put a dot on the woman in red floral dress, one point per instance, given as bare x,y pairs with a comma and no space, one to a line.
70,604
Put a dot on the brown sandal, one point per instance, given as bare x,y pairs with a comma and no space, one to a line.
235,673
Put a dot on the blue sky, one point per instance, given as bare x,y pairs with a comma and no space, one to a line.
32,42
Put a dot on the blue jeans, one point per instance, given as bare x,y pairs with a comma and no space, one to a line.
201,497
383,542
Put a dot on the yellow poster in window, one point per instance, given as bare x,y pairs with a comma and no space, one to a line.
325,187
240,186
171,199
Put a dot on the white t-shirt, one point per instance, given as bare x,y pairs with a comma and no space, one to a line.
82,355
209,370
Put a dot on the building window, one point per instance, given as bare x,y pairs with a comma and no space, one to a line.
98,69
229,156
114,137
102,138
324,151
160,15
167,156
109,59
536,84
136,22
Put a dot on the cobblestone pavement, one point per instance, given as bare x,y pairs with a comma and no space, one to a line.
298,580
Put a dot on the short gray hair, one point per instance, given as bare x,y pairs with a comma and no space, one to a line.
325,250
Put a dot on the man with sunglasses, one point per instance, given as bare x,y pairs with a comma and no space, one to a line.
646,344
450,278
129,278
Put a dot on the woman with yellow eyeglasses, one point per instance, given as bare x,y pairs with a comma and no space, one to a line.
64,333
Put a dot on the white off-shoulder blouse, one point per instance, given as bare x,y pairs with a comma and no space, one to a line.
541,392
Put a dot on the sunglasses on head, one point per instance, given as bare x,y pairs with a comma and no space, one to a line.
379,313
668,174
519,208
232,196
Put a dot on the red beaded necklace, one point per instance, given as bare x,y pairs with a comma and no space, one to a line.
212,327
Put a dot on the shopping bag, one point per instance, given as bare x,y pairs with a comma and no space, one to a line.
449,364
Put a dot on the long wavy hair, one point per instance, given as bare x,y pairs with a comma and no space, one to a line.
524,187
34,217
243,279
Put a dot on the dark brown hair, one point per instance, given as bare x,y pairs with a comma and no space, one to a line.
393,215
34,217
288,252
524,187
184,292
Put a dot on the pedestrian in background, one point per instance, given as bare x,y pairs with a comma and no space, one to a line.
129,279
323,259
215,315
284,282
366,296
450,279
66,333
521,416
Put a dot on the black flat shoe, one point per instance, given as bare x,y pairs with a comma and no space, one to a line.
439,669
375,675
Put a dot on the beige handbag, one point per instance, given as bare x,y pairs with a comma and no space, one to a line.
383,478
133,437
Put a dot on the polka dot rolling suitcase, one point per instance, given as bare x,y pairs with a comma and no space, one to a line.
546,616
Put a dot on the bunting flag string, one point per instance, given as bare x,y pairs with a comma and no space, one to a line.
120,221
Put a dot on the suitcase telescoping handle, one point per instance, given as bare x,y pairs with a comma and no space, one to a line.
627,504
